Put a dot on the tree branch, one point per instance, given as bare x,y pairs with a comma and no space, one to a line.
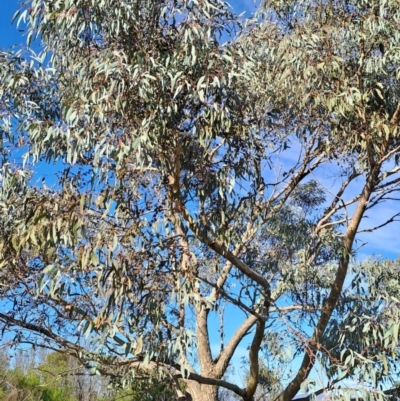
391,220
252,381
243,267
309,357
224,357
139,365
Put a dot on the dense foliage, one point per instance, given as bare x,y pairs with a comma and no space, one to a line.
181,164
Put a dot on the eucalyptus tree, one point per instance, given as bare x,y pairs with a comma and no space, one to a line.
180,163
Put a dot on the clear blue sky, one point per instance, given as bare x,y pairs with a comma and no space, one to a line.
8,33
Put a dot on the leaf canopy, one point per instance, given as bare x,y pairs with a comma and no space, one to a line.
174,160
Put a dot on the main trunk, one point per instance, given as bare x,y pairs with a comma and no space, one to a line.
202,392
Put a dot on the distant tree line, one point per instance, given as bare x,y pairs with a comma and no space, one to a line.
37,375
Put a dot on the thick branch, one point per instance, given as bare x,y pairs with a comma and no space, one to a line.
189,270
203,341
330,304
221,250
138,365
252,381
223,359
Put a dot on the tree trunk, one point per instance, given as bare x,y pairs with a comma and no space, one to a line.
202,392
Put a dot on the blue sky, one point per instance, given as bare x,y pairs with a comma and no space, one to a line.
9,34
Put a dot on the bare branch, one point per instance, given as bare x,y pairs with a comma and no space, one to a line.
231,299
391,220
334,207
281,309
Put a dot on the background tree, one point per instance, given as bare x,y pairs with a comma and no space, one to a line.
41,376
190,175
22,380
